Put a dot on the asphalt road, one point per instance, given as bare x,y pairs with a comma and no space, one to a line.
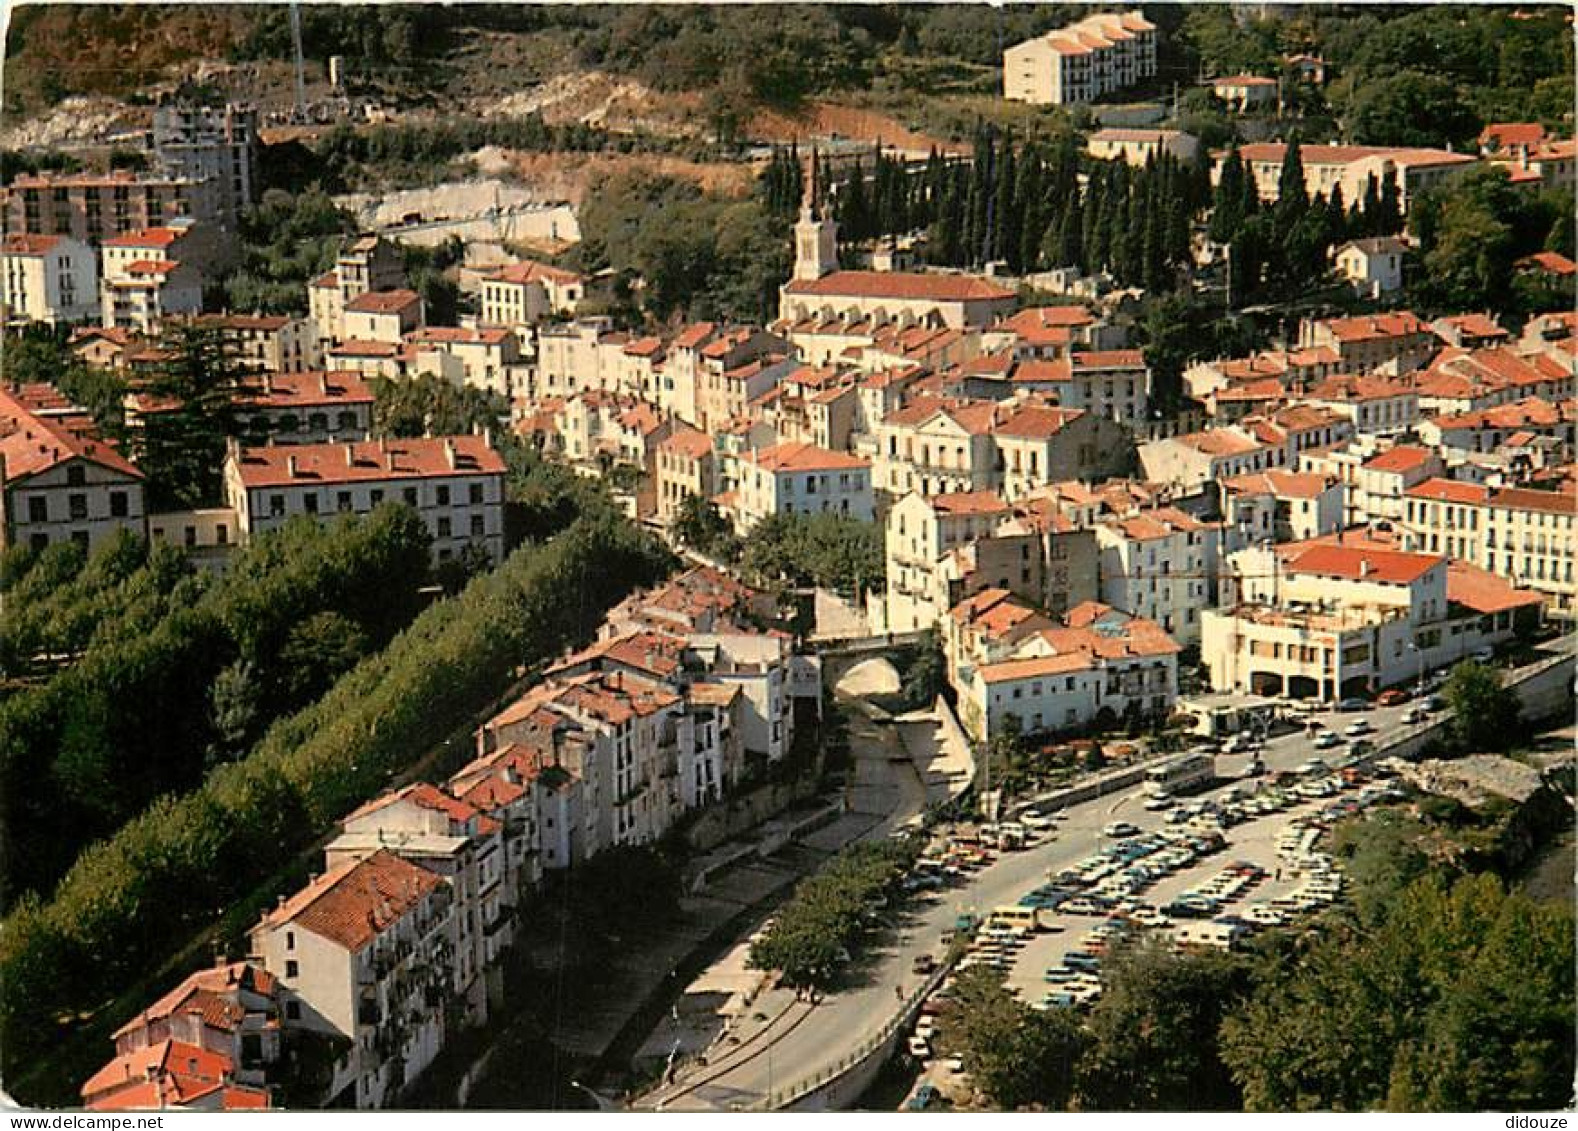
832,1029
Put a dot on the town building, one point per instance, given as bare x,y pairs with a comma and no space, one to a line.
1397,339
213,144
365,263
1100,667
1098,55
797,479
1336,619
60,482
1189,462
270,343
1247,94
522,294
383,316
454,483
90,206
1350,167
687,466
1281,506
1514,532
306,408
47,279
1159,563
1373,265
1139,147
148,276
365,956
480,357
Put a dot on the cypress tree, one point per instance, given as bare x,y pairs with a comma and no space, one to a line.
1227,212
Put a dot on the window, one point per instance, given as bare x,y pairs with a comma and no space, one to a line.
78,506
221,535
476,526
39,540
443,494
342,501
118,504
376,496
309,503
276,505
410,496
444,526
76,475
290,940
38,509
191,535
293,1011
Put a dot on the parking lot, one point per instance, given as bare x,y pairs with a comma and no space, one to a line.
1215,871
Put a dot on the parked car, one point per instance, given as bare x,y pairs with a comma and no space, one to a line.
1353,705
1120,829
924,964
1358,727
1391,697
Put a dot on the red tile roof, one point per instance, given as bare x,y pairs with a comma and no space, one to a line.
382,302
1388,567
31,246
694,335
416,458
804,457
968,502
184,1065
1552,262
31,444
530,271
1449,491
901,285
209,985
356,902
1402,458
148,237
1484,592
314,387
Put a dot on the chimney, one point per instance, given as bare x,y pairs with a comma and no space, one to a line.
323,383
449,452
1364,567
268,383
350,454
290,466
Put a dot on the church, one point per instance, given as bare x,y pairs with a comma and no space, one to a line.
818,290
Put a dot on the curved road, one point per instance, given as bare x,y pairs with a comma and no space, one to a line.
837,1025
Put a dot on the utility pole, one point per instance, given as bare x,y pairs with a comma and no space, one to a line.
301,69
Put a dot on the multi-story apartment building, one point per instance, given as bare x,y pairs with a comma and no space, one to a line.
207,1045
1083,61
304,408
455,483
1514,532
812,406
150,275
48,279
1333,619
424,825
939,446
1159,564
1138,147
90,206
522,294
483,357
270,343
213,144
1098,668
1189,462
1460,381
61,483
920,532
1048,333
1350,167
1375,405
1381,481
383,316
1281,506
736,367
366,263
797,479
1114,384
1487,429
1397,339
686,465
365,953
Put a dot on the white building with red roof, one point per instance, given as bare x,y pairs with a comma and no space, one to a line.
1281,506
1082,61
1398,340
48,279
480,356
1160,563
1381,481
422,824
1190,461
365,955
1098,666
307,407
521,294
365,263
1520,533
798,479
59,482
1348,615
150,275
1350,167
208,1044
383,316
454,483
1246,94
270,343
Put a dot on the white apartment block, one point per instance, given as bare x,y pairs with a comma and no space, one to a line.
481,357
48,279
454,483
1281,506
366,953
58,484
798,479
1159,564
366,263
270,343
1518,533
522,294
1333,619
920,532
144,279
1327,167
1081,62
